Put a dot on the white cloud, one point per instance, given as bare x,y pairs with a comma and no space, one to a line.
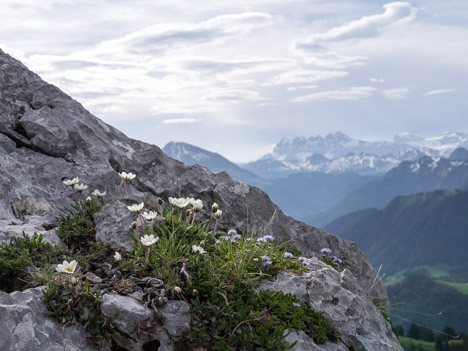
180,121
302,87
396,94
232,95
376,80
351,94
303,76
367,26
439,91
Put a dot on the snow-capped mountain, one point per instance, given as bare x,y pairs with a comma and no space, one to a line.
338,153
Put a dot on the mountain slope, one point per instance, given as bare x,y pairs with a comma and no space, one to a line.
425,174
426,229
192,155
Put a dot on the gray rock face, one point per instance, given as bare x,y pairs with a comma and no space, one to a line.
139,326
344,303
25,327
46,137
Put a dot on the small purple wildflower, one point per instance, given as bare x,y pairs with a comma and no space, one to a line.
225,237
265,238
217,241
248,239
288,254
326,250
236,236
314,258
295,304
232,232
233,241
266,260
302,259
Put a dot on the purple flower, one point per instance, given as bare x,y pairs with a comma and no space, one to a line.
236,236
248,239
265,238
314,258
336,260
302,259
232,232
326,250
225,237
217,241
288,254
233,241
295,304
266,260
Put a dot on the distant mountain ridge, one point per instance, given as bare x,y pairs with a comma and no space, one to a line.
191,155
338,153
425,229
425,174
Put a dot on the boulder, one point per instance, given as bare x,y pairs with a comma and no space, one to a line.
24,326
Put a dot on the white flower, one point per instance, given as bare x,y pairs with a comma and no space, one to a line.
117,256
149,240
127,176
136,208
81,187
214,207
196,248
149,216
177,289
181,202
98,194
71,182
88,200
197,205
66,267
218,214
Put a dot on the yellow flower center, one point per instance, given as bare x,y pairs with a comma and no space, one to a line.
69,269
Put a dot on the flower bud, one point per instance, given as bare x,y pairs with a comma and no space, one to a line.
195,292
73,280
134,225
177,289
188,213
88,200
160,201
214,207
218,214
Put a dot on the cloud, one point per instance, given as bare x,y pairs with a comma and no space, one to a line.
232,95
158,38
376,80
439,91
396,94
302,87
303,76
351,94
365,27
180,121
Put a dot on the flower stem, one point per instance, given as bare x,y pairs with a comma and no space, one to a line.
148,250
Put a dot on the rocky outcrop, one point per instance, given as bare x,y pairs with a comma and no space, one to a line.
344,304
46,137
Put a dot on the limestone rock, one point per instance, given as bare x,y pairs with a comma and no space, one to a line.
25,327
344,303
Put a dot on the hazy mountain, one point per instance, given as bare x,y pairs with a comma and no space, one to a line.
459,154
338,153
191,155
426,229
301,194
422,175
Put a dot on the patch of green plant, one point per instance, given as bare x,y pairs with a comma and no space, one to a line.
329,261
78,227
219,274
383,309
69,299
27,251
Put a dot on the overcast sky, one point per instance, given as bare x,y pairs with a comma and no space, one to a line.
235,77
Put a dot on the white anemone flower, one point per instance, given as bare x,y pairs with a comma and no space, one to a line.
117,256
127,176
71,182
66,267
149,240
181,202
197,205
136,208
196,248
80,187
218,214
98,194
149,216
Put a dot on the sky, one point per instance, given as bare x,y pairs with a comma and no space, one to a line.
235,77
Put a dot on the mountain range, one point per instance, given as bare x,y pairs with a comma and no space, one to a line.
339,153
